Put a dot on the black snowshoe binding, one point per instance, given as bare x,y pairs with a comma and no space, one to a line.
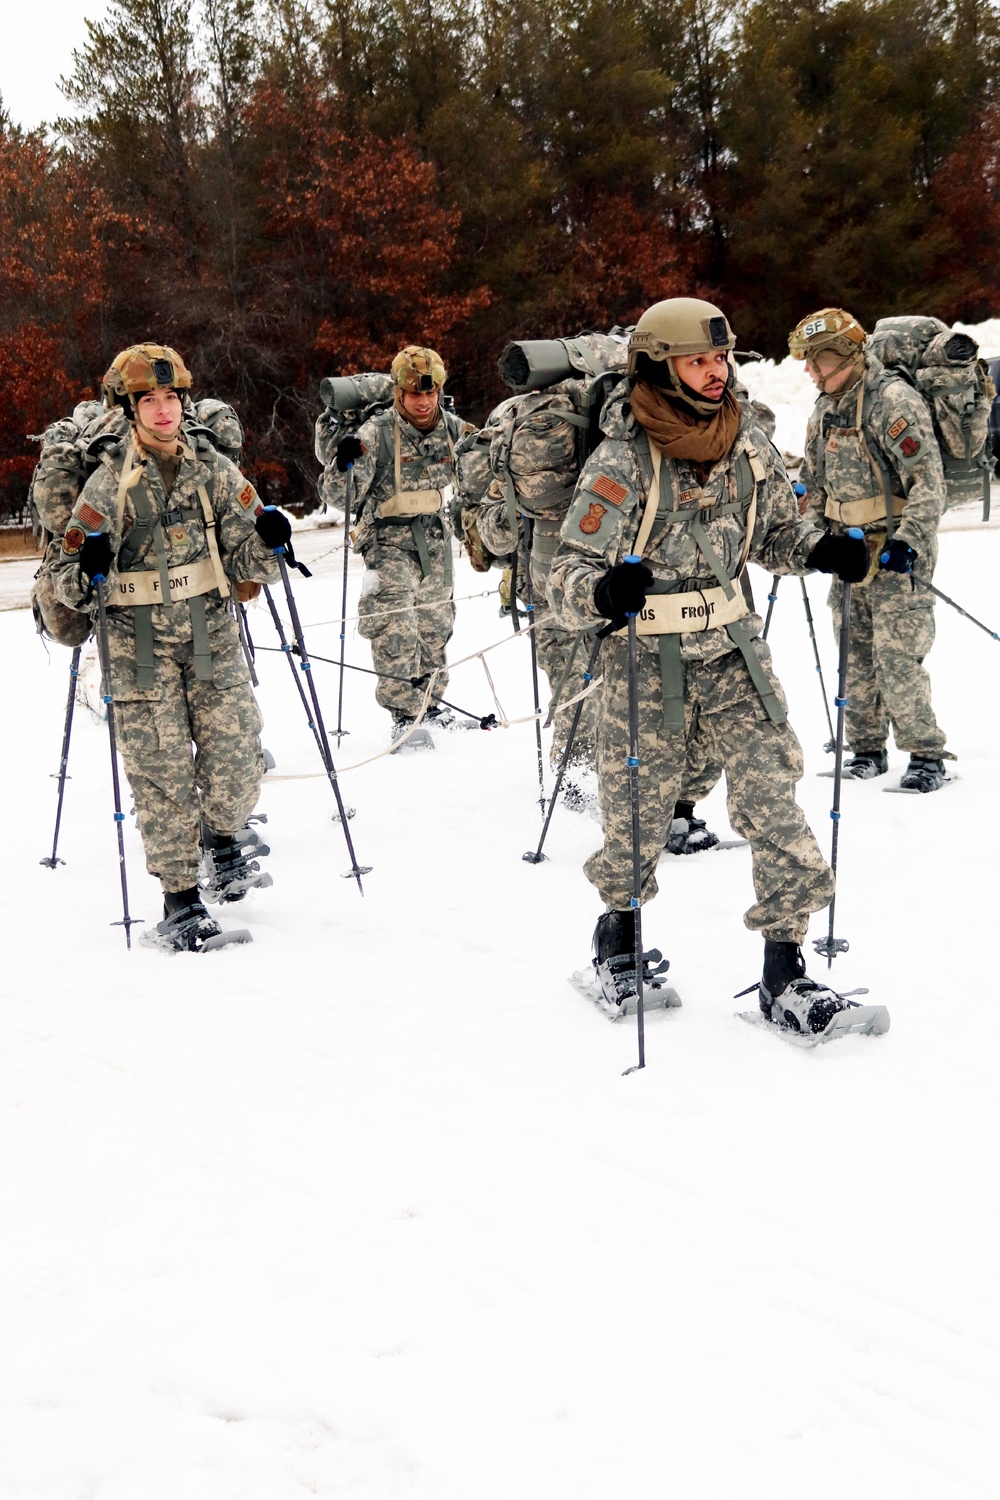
229,864
440,717
187,926
614,959
923,775
688,834
789,998
866,764
420,739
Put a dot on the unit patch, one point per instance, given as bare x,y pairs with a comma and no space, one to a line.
909,447
609,490
897,427
73,540
591,522
247,496
177,534
90,517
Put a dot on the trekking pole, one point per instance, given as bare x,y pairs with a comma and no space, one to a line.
245,641
348,518
771,599
944,597
287,653
321,736
530,606
535,856
830,945
104,651
485,721
831,742
633,768
74,672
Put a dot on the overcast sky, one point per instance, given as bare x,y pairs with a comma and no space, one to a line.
37,38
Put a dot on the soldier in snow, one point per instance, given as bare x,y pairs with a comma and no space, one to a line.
403,460
172,528
872,460
685,479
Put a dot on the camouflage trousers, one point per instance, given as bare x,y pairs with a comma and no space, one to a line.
191,752
409,621
725,725
892,630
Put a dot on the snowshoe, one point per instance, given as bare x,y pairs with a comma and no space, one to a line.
792,1002
690,836
229,864
420,739
188,928
923,774
614,961
864,765
439,717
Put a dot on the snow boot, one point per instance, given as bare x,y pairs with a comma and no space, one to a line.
864,764
688,834
420,739
186,925
788,997
614,958
923,774
228,870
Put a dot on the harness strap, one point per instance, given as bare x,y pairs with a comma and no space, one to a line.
880,474
208,515
201,645
145,664
738,632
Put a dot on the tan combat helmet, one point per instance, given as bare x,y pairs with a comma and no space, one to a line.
418,370
142,368
829,331
680,325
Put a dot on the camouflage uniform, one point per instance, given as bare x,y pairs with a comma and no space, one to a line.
407,608
892,618
728,717
180,694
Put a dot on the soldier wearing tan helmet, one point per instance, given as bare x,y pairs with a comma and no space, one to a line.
872,460
172,528
686,480
403,463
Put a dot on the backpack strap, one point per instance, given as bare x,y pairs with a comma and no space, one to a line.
866,401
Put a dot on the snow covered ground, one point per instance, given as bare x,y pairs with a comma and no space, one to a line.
368,1210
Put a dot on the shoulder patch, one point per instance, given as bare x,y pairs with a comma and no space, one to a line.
73,540
86,513
591,522
909,447
609,490
247,496
900,425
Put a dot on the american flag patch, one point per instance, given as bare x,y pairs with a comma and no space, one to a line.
608,490
90,517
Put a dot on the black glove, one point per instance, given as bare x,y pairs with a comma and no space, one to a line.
273,528
347,452
96,556
899,558
622,591
847,556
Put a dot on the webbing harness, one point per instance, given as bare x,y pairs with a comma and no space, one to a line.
661,507
410,507
148,522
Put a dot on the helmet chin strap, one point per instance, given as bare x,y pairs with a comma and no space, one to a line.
148,432
855,358
703,405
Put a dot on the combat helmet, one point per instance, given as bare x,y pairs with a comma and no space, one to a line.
831,328
418,370
142,368
678,327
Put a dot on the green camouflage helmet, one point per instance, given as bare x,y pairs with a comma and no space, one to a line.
679,326
830,329
418,370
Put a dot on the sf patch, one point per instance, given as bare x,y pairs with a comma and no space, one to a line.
900,425
609,490
591,522
247,496
73,540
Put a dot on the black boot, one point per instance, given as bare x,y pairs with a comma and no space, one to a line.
864,764
186,925
688,834
614,958
230,864
788,997
923,774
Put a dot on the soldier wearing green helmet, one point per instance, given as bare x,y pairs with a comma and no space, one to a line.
403,461
872,461
686,480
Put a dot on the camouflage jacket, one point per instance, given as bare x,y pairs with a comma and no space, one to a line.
899,434
426,463
181,525
604,520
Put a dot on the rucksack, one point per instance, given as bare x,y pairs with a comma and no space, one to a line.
71,451
348,402
943,366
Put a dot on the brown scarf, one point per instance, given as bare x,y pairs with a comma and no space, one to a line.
423,427
681,434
